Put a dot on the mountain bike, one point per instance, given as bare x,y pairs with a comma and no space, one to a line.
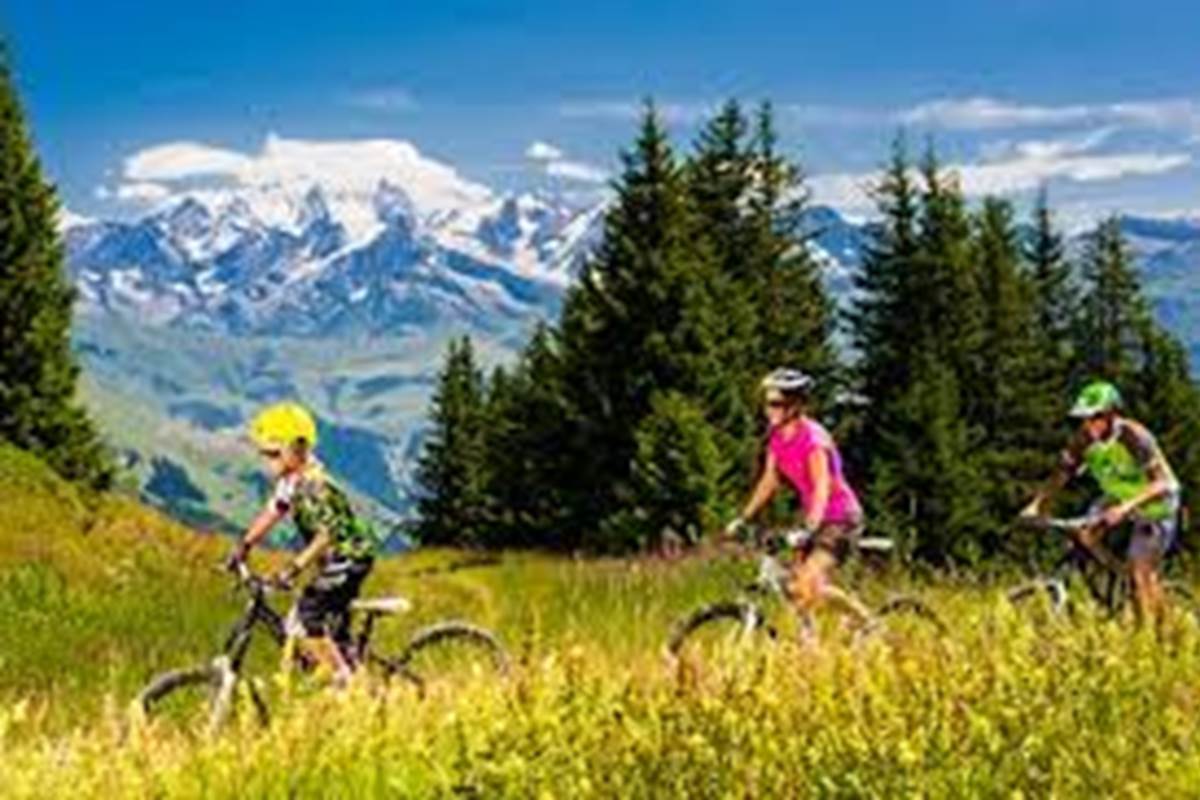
748,616
1091,565
214,683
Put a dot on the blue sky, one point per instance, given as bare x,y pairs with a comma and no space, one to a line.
1101,99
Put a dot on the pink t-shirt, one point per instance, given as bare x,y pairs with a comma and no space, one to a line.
791,457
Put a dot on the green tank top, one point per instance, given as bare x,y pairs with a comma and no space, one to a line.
1122,476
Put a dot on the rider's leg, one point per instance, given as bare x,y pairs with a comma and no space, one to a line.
329,658
1147,590
1149,545
318,612
811,585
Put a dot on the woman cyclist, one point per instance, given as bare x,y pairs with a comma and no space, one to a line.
801,452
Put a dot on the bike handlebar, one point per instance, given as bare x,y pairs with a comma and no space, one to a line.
800,537
255,584
1064,524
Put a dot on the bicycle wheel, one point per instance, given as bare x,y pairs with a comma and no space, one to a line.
185,694
906,617
1044,598
446,650
716,627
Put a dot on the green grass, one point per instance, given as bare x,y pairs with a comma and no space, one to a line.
96,594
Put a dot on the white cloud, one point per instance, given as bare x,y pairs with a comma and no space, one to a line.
1029,172
682,113
986,113
832,116
388,99
68,219
1063,146
182,160
142,192
554,162
981,113
1021,167
846,192
543,151
275,179
576,171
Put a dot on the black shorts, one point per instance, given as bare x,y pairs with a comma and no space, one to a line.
323,608
835,538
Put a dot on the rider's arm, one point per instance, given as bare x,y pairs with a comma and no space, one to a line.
320,542
267,519
1069,464
768,482
818,470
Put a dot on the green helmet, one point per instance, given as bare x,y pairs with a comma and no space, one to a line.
1096,398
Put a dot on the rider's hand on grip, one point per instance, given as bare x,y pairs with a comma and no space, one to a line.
735,526
1033,510
797,537
285,579
234,560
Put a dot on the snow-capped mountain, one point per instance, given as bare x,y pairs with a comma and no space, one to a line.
309,259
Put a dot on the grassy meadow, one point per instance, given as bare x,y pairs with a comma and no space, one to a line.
97,594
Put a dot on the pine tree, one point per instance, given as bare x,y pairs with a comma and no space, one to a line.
526,436
38,374
452,473
1018,400
878,321
919,325
678,477
946,310
719,175
645,317
1054,296
926,491
1113,311
795,313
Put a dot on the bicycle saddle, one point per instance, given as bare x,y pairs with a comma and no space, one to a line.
382,605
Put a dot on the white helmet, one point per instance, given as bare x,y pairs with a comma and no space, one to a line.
788,381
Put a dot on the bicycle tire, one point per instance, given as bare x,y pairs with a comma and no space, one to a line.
445,634
215,678
913,607
1052,589
740,612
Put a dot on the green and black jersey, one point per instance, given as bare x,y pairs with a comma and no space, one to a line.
1123,464
316,503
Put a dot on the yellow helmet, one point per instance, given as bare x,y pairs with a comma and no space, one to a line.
280,425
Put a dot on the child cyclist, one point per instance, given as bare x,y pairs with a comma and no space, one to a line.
801,453
340,544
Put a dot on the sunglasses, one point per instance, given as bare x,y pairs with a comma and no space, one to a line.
271,454
777,403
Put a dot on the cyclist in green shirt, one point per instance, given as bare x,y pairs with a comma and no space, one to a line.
1137,483
339,543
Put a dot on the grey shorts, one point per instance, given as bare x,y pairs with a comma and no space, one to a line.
1152,539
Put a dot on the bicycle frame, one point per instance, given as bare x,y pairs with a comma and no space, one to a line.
1080,554
258,612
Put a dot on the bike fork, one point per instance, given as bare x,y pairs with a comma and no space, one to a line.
226,682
